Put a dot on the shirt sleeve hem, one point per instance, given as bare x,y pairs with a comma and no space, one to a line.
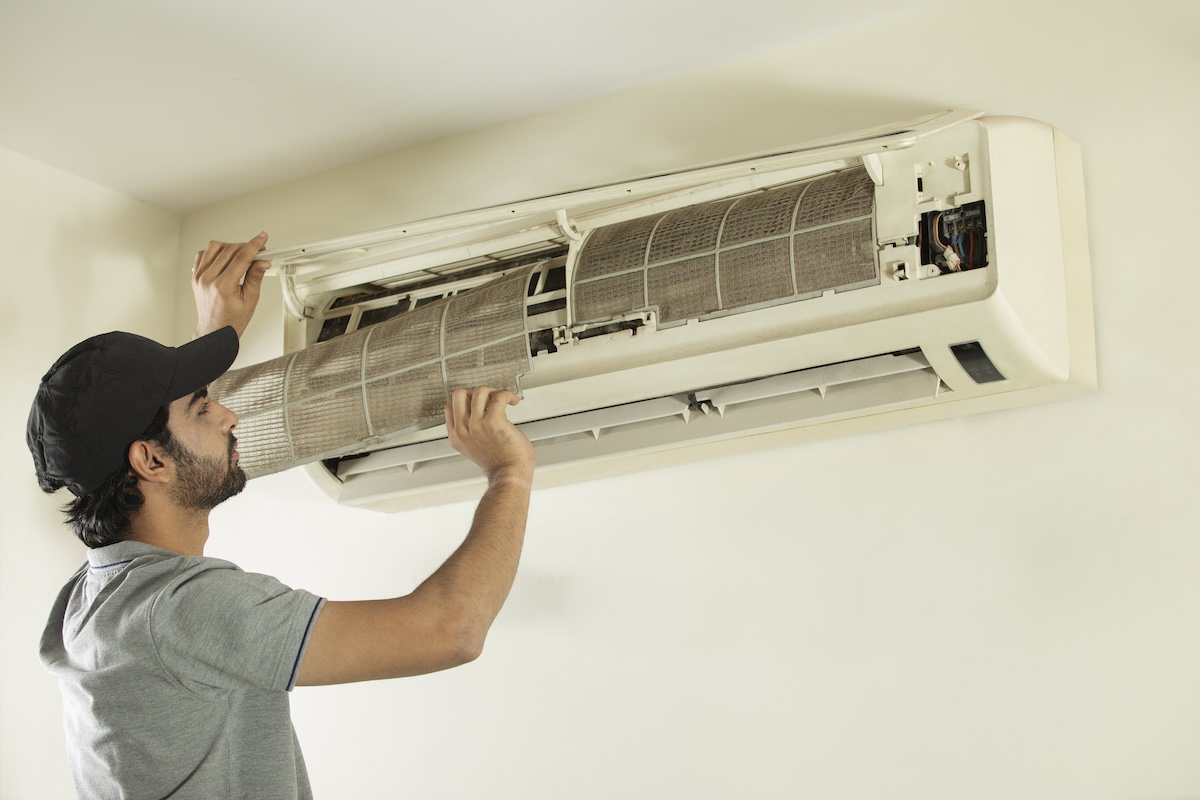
312,619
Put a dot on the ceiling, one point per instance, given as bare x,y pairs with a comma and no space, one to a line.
184,103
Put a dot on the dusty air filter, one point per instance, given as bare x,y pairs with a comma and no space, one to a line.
340,396
775,246
725,257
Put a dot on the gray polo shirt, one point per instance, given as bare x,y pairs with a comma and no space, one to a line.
175,674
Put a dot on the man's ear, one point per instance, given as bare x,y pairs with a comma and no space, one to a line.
149,462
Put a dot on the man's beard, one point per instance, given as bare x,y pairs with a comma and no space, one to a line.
203,482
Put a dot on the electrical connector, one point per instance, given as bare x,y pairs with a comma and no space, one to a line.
952,259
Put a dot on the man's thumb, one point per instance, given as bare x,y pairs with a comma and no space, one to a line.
252,284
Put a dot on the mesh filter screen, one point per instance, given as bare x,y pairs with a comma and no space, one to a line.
688,232
684,289
840,255
756,273
611,296
616,248
781,244
339,396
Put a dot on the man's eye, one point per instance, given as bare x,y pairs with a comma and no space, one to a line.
203,409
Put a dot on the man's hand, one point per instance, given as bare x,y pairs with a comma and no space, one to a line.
226,282
478,426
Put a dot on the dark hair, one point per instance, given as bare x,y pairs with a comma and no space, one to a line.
103,517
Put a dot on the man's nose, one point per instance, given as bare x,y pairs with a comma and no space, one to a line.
230,420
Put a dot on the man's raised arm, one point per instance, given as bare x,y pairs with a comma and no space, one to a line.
445,620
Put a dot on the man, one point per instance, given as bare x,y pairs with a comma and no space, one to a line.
175,667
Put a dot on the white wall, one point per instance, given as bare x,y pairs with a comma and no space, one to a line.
997,606
76,260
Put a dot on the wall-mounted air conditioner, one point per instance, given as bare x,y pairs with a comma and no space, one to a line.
910,273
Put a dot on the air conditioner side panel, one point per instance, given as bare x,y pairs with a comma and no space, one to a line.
1077,263
1025,211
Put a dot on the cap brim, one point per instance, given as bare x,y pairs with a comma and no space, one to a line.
201,361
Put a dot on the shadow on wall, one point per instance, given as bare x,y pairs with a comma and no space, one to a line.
637,134
668,126
114,270
647,131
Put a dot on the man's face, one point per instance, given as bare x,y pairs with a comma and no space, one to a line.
204,451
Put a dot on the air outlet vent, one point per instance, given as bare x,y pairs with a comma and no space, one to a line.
806,396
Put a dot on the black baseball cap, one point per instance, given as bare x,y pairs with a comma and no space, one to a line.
103,393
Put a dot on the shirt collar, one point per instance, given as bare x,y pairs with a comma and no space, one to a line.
123,552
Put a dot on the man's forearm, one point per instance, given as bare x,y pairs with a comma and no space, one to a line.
475,581
445,620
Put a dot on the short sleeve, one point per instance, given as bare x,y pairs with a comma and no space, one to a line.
219,626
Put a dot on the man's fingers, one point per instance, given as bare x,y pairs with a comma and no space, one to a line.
205,257
252,286
479,428
212,260
469,407
479,401
498,401
241,257
469,404
489,403
247,255
227,283
458,407
229,261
